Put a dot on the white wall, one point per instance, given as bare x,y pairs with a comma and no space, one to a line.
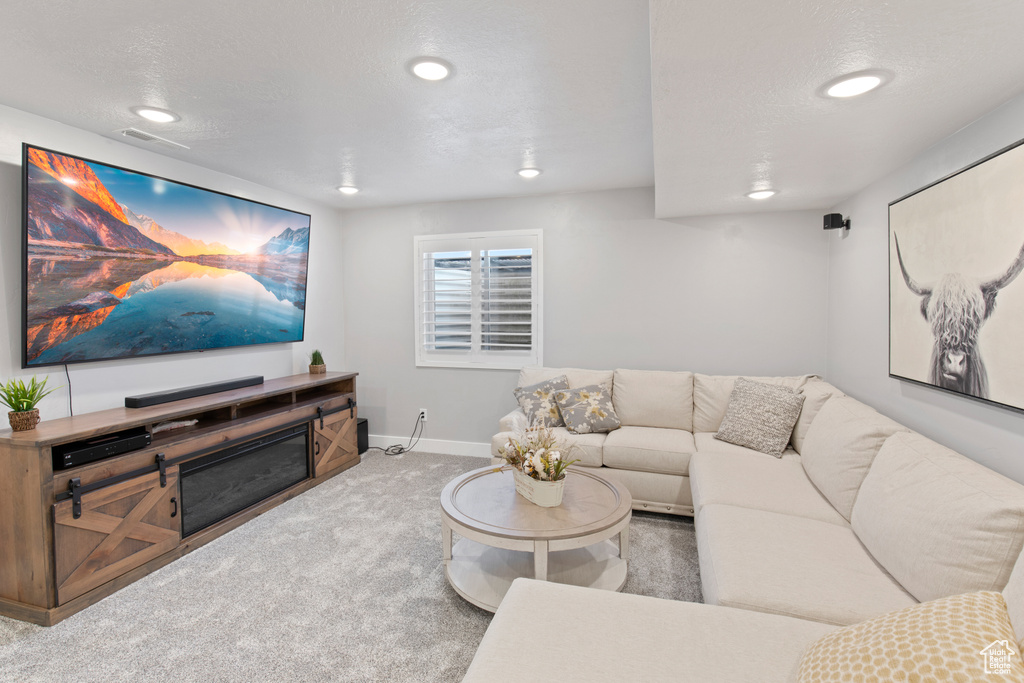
104,385
723,294
858,325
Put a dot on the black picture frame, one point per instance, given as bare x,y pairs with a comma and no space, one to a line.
303,218
956,250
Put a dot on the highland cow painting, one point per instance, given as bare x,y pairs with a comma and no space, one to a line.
956,297
121,264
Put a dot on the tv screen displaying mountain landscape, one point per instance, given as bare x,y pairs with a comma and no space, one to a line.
122,264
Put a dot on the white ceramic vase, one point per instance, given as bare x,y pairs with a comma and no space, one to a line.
547,494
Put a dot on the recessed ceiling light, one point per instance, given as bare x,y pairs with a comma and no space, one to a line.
854,84
155,114
431,68
761,194
529,172
348,189
852,87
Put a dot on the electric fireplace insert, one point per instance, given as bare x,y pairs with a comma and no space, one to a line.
220,484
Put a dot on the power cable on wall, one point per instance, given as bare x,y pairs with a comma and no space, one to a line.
399,449
71,402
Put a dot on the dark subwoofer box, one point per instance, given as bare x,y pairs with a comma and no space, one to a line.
362,434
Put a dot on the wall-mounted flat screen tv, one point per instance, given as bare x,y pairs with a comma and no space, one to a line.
124,264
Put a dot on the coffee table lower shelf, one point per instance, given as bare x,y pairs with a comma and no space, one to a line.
482,574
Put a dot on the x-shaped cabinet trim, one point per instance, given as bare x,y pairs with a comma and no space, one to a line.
135,526
335,443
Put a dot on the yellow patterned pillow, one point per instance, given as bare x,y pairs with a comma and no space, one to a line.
960,638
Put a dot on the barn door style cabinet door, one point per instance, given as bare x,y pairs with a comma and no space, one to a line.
114,529
334,441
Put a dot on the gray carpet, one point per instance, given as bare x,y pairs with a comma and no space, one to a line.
343,583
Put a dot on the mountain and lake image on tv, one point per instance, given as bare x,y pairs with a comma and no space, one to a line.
121,264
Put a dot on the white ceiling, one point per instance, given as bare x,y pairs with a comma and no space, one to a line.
305,96
735,93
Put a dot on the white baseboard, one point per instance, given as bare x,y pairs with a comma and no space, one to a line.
467,448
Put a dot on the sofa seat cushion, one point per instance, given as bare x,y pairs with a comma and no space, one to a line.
587,448
754,480
707,443
649,449
939,522
840,446
653,398
794,566
623,637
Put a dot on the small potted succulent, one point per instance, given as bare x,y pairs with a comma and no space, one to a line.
316,363
22,399
539,461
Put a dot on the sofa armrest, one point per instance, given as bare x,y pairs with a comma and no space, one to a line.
513,422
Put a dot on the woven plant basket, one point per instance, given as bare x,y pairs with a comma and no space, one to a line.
24,420
317,369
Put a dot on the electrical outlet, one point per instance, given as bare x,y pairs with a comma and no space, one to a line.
423,414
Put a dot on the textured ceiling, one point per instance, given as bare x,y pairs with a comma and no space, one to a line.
735,105
305,96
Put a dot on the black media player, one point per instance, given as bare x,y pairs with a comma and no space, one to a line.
99,447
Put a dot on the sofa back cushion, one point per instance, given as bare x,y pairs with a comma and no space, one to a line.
652,398
1014,594
711,396
816,392
841,443
576,377
940,523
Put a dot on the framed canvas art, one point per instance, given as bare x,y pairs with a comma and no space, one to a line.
956,301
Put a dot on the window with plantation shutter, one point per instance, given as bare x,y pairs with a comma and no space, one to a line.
478,299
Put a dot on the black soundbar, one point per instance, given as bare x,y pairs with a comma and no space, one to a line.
190,392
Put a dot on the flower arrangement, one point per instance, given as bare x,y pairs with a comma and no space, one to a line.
537,453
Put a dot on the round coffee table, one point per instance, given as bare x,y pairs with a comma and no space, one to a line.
505,536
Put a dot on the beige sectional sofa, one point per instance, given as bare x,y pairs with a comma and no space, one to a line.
667,418
860,517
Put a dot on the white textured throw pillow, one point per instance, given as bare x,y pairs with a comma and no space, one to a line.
760,416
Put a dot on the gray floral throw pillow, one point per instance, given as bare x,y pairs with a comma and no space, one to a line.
588,410
538,401
760,416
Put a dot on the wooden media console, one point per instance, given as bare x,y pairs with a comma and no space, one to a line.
70,537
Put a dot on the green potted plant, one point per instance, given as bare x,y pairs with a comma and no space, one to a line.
316,363
22,399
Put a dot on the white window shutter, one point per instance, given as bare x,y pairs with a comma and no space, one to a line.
478,299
